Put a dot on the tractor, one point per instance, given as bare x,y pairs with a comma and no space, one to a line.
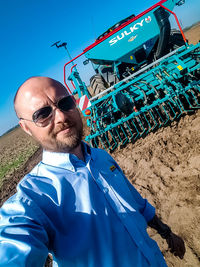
146,76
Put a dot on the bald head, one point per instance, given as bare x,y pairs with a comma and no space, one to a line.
62,128
33,88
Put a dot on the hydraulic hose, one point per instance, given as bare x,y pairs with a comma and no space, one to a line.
162,18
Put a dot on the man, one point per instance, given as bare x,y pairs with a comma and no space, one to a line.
76,203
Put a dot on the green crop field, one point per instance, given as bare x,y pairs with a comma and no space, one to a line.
16,147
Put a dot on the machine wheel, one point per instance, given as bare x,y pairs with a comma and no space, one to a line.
175,40
97,84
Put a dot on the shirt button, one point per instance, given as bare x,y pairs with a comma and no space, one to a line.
124,215
105,190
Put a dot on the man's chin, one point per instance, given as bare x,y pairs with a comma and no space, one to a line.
64,141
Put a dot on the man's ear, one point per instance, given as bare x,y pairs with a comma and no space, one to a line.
25,127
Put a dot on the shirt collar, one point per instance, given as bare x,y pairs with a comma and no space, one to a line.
66,160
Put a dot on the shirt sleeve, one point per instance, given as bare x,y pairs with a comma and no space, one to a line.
146,209
23,239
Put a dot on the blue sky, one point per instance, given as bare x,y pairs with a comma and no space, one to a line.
28,28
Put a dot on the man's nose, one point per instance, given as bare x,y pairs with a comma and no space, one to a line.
59,115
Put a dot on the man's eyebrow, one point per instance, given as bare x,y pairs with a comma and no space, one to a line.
53,102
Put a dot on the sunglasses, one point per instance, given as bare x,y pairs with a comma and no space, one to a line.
43,116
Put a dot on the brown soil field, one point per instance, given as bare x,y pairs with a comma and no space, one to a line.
164,167
193,34
15,149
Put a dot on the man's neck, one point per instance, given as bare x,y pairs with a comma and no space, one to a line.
78,152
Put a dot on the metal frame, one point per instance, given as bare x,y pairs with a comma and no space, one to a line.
159,4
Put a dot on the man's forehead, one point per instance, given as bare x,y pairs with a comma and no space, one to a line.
42,87
37,91
41,84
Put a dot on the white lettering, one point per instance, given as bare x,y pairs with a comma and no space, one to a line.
122,36
113,41
132,29
127,33
141,23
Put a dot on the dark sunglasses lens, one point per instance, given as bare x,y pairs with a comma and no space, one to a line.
66,103
42,114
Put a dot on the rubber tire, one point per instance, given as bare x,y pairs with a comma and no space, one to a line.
97,85
176,39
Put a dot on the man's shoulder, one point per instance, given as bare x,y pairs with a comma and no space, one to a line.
102,157
31,173
34,179
100,152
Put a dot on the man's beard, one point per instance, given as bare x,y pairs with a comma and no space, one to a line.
70,142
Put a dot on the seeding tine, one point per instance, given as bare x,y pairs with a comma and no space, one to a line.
176,101
103,139
168,118
106,140
129,129
159,111
102,143
181,101
164,113
188,99
151,120
125,139
195,100
140,124
116,136
157,117
154,119
149,125
133,123
120,131
94,142
173,111
114,143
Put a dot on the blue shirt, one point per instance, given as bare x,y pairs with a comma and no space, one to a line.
86,214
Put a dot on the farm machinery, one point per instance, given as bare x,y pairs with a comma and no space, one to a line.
146,76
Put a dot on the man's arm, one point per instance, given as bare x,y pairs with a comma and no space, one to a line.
175,243
23,239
